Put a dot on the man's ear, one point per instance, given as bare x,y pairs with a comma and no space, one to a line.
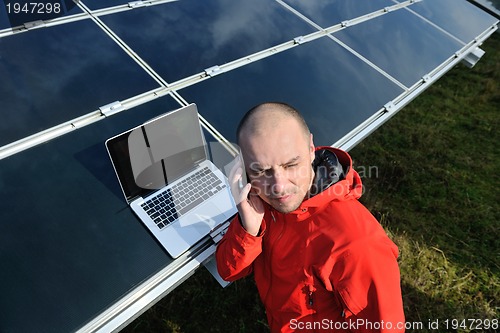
312,149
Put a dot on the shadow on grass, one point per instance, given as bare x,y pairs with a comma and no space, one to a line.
201,305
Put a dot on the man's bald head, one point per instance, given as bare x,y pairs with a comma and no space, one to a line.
277,150
264,117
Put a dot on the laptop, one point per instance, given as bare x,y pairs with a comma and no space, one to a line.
168,180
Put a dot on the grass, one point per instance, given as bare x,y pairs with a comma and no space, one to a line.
436,194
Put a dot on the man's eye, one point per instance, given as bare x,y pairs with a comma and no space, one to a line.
257,173
288,166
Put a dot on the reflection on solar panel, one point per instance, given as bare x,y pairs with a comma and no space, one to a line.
96,68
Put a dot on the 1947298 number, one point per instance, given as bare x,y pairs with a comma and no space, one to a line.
33,8
472,324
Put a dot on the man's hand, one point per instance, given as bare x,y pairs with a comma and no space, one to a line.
250,206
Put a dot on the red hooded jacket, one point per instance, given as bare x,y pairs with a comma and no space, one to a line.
326,267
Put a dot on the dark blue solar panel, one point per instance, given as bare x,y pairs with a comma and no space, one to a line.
55,74
335,90
4,19
67,236
460,18
330,12
402,44
183,38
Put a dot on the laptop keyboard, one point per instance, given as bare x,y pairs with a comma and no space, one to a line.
169,205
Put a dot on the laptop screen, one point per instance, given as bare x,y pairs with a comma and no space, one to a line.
160,151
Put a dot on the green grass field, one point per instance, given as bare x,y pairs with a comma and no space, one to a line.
433,185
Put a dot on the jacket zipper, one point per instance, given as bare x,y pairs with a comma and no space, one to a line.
310,294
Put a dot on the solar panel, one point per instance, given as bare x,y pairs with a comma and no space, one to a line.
401,44
57,74
331,105
184,38
69,82
459,18
61,253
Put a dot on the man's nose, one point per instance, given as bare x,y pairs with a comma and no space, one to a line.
278,182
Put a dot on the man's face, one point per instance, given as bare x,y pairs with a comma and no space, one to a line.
278,163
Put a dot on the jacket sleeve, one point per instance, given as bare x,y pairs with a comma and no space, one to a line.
368,281
237,251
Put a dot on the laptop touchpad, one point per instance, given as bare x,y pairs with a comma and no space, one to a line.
203,219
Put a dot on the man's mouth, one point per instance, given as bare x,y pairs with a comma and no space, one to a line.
282,198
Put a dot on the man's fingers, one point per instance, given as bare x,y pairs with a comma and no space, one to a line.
239,189
243,196
235,181
234,170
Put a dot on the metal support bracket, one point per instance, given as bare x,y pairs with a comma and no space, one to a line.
213,71
473,57
299,40
34,25
220,231
111,108
136,4
389,107
211,264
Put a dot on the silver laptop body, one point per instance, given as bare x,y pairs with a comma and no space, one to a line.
168,180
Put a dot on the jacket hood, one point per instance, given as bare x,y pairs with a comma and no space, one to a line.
347,188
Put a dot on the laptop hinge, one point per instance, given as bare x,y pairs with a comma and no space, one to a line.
220,231
111,108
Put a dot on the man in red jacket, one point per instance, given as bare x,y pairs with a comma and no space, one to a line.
321,261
